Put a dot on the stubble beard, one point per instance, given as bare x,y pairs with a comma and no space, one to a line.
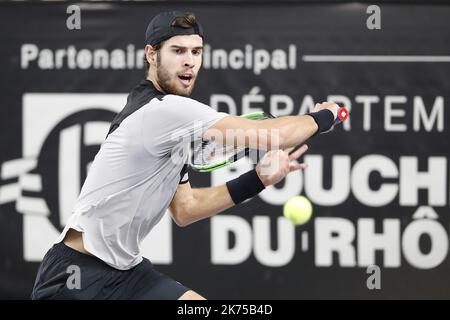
164,80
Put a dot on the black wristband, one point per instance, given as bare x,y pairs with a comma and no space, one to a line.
324,119
245,186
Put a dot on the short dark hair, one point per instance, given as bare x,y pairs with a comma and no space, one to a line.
187,20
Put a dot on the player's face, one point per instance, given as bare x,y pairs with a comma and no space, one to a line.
178,63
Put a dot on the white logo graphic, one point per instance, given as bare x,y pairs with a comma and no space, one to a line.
74,280
61,135
374,20
73,22
374,280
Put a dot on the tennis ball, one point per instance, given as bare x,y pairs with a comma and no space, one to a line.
298,209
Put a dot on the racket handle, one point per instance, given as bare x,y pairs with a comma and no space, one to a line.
342,115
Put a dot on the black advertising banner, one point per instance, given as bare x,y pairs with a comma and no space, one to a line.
379,184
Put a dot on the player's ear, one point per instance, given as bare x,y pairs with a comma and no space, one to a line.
150,54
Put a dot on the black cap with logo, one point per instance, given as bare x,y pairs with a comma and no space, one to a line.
160,28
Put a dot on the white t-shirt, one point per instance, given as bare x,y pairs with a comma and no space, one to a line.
134,177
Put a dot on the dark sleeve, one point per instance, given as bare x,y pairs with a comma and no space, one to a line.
184,177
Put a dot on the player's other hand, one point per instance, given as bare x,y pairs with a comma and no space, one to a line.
333,107
276,164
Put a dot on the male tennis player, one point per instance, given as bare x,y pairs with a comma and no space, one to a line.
133,179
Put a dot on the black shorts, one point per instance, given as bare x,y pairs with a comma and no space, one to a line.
68,274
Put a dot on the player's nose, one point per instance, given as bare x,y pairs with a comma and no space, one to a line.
189,60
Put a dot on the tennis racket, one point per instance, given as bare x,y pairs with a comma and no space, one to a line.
210,155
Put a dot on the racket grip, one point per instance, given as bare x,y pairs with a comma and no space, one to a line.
342,115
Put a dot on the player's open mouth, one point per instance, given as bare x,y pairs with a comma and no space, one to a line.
186,79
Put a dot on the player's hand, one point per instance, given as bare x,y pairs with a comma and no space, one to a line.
276,164
333,107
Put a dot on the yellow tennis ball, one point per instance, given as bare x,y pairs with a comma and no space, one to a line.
298,209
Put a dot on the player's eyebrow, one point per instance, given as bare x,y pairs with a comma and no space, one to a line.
181,47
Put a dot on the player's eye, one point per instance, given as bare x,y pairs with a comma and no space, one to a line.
196,52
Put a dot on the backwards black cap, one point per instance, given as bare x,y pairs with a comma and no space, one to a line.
160,28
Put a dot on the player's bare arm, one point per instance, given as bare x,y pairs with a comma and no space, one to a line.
279,133
193,204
